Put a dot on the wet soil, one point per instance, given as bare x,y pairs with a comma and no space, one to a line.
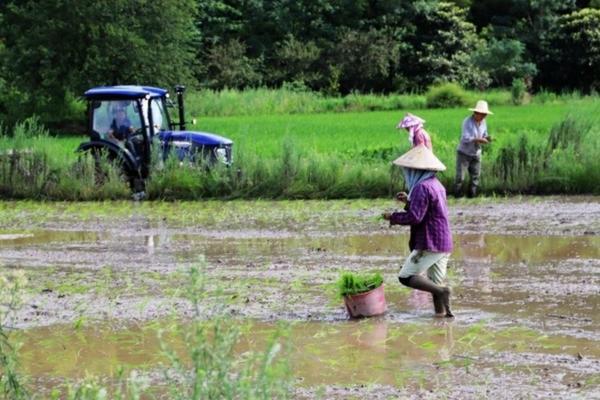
525,273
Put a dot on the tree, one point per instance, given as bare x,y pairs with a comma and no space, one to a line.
573,60
227,66
367,60
503,61
527,21
295,61
58,48
441,40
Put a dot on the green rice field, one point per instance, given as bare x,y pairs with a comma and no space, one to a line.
357,131
537,148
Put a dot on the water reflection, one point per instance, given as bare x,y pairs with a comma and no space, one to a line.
474,248
17,239
352,352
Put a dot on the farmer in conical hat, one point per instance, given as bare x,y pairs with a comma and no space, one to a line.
430,238
416,134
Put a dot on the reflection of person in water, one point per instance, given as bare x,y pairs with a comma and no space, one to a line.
120,127
426,212
477,261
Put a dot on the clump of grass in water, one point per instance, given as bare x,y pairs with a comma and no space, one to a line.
213,370
12,382
350,283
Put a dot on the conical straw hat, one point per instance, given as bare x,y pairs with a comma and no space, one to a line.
420,157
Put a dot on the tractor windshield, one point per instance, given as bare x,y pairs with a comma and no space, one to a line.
112,118
160,120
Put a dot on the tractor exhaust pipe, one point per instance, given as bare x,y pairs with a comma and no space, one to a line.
179,89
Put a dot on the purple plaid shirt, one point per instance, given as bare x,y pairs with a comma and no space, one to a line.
427,215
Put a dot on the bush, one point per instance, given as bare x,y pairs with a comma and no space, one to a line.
517,91
350,283
446,95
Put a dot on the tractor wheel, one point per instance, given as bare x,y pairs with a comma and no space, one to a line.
102,163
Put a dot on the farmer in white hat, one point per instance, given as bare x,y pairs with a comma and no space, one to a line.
430,238
468,153
416,134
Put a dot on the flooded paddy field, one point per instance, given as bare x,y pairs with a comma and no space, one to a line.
104,278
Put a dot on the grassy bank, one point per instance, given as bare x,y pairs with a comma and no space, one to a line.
549,148
287,100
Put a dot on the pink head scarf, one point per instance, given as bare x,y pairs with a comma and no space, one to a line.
415,127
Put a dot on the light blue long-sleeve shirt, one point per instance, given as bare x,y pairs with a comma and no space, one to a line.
471,131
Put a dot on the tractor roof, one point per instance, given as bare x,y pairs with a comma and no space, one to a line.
123,92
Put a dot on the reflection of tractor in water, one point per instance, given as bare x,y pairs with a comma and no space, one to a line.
127,123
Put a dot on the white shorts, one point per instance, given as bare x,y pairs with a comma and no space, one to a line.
420,261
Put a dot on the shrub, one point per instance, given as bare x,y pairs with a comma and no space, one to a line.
350,283
446,95
517,91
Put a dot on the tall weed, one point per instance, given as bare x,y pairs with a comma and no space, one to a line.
210,368
12,381
563,163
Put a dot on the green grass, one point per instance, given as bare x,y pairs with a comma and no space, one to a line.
261,101
356,131
537,148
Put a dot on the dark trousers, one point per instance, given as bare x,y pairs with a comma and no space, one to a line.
473,165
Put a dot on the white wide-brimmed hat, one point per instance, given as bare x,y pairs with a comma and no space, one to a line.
420,157
481,107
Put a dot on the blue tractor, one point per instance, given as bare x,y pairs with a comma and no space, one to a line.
127,124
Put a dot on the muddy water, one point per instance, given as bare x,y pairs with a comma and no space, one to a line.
526,303
357,352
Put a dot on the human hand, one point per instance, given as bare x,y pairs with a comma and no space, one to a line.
387,216
402,196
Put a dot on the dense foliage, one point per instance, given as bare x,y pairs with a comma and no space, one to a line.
55,50
575,55
51,51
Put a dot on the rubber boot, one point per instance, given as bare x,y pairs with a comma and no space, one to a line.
423,283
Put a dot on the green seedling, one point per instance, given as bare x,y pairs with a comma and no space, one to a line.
350,283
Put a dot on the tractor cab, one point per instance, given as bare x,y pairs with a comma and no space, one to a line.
128,123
